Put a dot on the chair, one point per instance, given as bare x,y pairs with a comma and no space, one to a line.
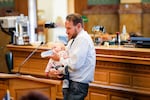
9,61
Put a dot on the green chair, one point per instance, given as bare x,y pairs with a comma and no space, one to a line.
9,61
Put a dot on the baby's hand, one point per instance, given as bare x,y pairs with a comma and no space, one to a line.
60,76
55,56
46,74
52,73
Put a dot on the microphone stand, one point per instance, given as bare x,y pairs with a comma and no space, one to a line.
20,66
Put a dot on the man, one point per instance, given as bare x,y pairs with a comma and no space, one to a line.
81,60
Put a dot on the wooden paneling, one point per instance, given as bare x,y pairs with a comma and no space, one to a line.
134,15
98,96
131,16
3,88
121,79
31,65
133,22
111,26
146,23
119,98
120,74
21,6
102,76
141,81
4,40
18,85
80,6
102,15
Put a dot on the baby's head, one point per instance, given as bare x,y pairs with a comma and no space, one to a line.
58,47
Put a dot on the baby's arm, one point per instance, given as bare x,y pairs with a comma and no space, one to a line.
49,66
50,69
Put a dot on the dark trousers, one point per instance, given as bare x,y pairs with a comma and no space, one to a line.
76,91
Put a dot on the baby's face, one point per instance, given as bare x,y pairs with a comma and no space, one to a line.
56,48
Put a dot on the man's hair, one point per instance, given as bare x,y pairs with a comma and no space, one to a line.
75,18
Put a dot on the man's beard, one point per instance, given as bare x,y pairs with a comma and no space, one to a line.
74,34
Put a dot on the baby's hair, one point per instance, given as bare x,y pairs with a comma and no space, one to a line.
62,45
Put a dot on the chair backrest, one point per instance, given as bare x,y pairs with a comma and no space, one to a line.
9,61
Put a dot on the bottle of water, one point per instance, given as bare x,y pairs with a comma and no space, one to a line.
22,30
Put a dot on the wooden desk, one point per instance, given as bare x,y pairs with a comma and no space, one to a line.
35,65
120,74
20,84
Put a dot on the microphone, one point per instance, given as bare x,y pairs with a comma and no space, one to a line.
19,68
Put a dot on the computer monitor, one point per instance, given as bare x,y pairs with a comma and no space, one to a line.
141,42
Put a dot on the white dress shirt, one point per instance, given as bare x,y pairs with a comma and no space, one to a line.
82,58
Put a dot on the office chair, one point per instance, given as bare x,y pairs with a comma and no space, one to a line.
9,61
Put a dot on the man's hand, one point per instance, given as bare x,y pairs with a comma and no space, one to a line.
53,73
55,56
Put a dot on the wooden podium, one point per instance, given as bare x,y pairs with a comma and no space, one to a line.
20,84
32,74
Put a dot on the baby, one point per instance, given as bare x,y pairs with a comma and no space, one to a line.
52,65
